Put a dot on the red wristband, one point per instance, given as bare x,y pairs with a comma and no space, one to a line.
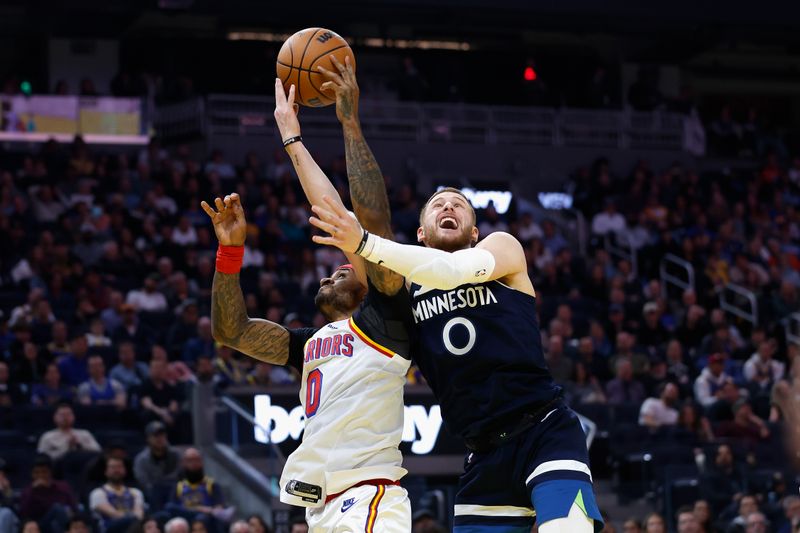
229,259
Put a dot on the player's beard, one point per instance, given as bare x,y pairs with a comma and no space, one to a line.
331,302
447,240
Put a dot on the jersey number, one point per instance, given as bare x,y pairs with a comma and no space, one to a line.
448,343
313,392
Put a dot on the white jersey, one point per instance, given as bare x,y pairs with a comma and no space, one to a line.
352,394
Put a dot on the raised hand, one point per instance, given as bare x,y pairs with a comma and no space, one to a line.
343,84
286,111
343,229
229,222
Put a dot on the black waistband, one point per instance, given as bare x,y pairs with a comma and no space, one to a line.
511,426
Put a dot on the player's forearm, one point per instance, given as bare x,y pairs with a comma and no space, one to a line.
428,266
230,325
313,180
367,188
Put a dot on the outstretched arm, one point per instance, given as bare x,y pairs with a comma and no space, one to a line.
367,188
230,325
315,183
498,257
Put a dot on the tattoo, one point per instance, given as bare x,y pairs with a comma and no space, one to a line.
370,203
345,106
260,339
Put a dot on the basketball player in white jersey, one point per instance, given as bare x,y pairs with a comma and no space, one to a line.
347,469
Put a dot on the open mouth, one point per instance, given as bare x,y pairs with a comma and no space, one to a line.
448,222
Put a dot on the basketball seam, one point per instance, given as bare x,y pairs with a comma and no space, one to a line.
308,42
310,71
291,59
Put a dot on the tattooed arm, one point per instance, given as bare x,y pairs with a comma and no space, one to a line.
367,188
230,325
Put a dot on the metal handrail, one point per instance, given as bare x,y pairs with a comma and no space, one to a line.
736,310
241,412
792,327
667,278
623,249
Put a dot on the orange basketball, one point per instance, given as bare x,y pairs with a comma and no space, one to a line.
299,58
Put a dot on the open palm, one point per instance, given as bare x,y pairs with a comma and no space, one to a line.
228,219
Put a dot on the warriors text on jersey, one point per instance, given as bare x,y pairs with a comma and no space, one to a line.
353,372
480,350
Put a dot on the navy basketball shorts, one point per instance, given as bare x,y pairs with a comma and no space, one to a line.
537,475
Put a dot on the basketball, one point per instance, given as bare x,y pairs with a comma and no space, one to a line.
299,58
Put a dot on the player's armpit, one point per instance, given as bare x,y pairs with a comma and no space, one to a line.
230,325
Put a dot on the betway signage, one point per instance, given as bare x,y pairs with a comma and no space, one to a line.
423,431
421,425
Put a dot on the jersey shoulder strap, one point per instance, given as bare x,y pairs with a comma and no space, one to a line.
386,320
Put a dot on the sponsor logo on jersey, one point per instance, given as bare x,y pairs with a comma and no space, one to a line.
347,504
321,347
436,304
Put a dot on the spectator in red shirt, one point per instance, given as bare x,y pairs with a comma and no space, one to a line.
48,501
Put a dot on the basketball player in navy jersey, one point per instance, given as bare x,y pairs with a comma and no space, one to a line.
477,344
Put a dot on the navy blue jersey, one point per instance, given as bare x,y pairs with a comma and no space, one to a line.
480,350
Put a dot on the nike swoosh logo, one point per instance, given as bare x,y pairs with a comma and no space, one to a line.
347,505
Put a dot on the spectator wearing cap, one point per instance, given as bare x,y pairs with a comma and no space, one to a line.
46,500
65,438
8,519
148,298
158,463
128,371
624,389
200,345
708,385
118,505
74,367
652,334
50,391
658,412
99,389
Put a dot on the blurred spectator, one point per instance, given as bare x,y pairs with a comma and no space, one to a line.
131,330
687,522
160,399
201,344
559,364
791,511
158,463
693,424
176,525
624,388
745,425
50,391
757,523
98,389
257,525
96,336
631,525
79,524
745,506
197,496
702,512
708,385
148,298
626,343
230,370
74,367
761,370
240,526
46,500
654,523
119,506
658,412
608,221
724,133
128,371
584,388
65,438
32,366
8,519
299,526
10,392
183,329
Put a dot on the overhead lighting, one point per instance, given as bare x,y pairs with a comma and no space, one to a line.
370,42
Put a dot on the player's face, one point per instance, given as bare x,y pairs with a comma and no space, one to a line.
341,292
448,223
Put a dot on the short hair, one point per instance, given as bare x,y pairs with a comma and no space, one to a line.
684,509
444,190
78,518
